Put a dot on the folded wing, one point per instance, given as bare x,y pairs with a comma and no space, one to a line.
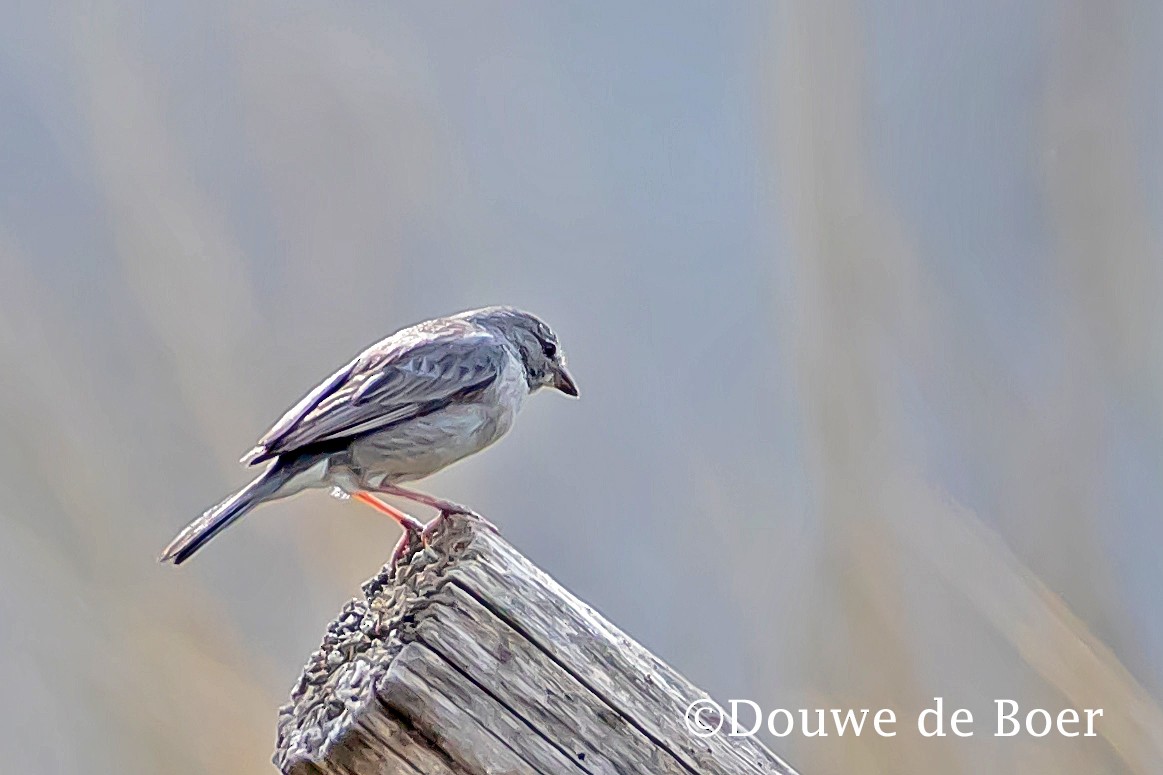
399,380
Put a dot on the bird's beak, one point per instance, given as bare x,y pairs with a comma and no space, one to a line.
563,382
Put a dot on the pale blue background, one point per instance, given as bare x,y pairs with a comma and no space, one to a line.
863,300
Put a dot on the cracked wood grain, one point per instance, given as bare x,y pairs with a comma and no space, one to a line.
470,660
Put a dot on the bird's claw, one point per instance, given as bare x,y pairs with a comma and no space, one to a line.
410,542
460,511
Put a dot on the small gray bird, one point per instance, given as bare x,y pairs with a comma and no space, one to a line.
405,408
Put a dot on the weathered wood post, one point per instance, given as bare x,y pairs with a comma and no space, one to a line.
472,660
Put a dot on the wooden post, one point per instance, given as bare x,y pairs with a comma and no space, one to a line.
470,660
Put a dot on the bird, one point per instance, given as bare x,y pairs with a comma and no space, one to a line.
406,407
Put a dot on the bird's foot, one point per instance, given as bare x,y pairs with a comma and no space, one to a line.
458,511
413,538
410,542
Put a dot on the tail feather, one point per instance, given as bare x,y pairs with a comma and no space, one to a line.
196,534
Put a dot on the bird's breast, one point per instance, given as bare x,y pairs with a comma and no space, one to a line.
422,446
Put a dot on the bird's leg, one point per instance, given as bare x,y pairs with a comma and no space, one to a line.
441,505
413,528
406,521
446,508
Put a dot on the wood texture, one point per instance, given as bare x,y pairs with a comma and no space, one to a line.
468,659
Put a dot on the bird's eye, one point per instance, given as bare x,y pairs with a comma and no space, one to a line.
550,349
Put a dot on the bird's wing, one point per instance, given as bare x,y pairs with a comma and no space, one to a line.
392,382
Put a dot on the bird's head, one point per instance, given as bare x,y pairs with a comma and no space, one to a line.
535,343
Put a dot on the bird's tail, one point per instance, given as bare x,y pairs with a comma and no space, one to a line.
196,534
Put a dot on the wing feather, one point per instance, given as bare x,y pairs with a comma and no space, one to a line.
406,376
296,413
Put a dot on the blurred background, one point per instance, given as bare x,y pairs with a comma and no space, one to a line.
863,300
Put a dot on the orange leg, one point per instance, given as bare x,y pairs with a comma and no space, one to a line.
409,523
413,528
